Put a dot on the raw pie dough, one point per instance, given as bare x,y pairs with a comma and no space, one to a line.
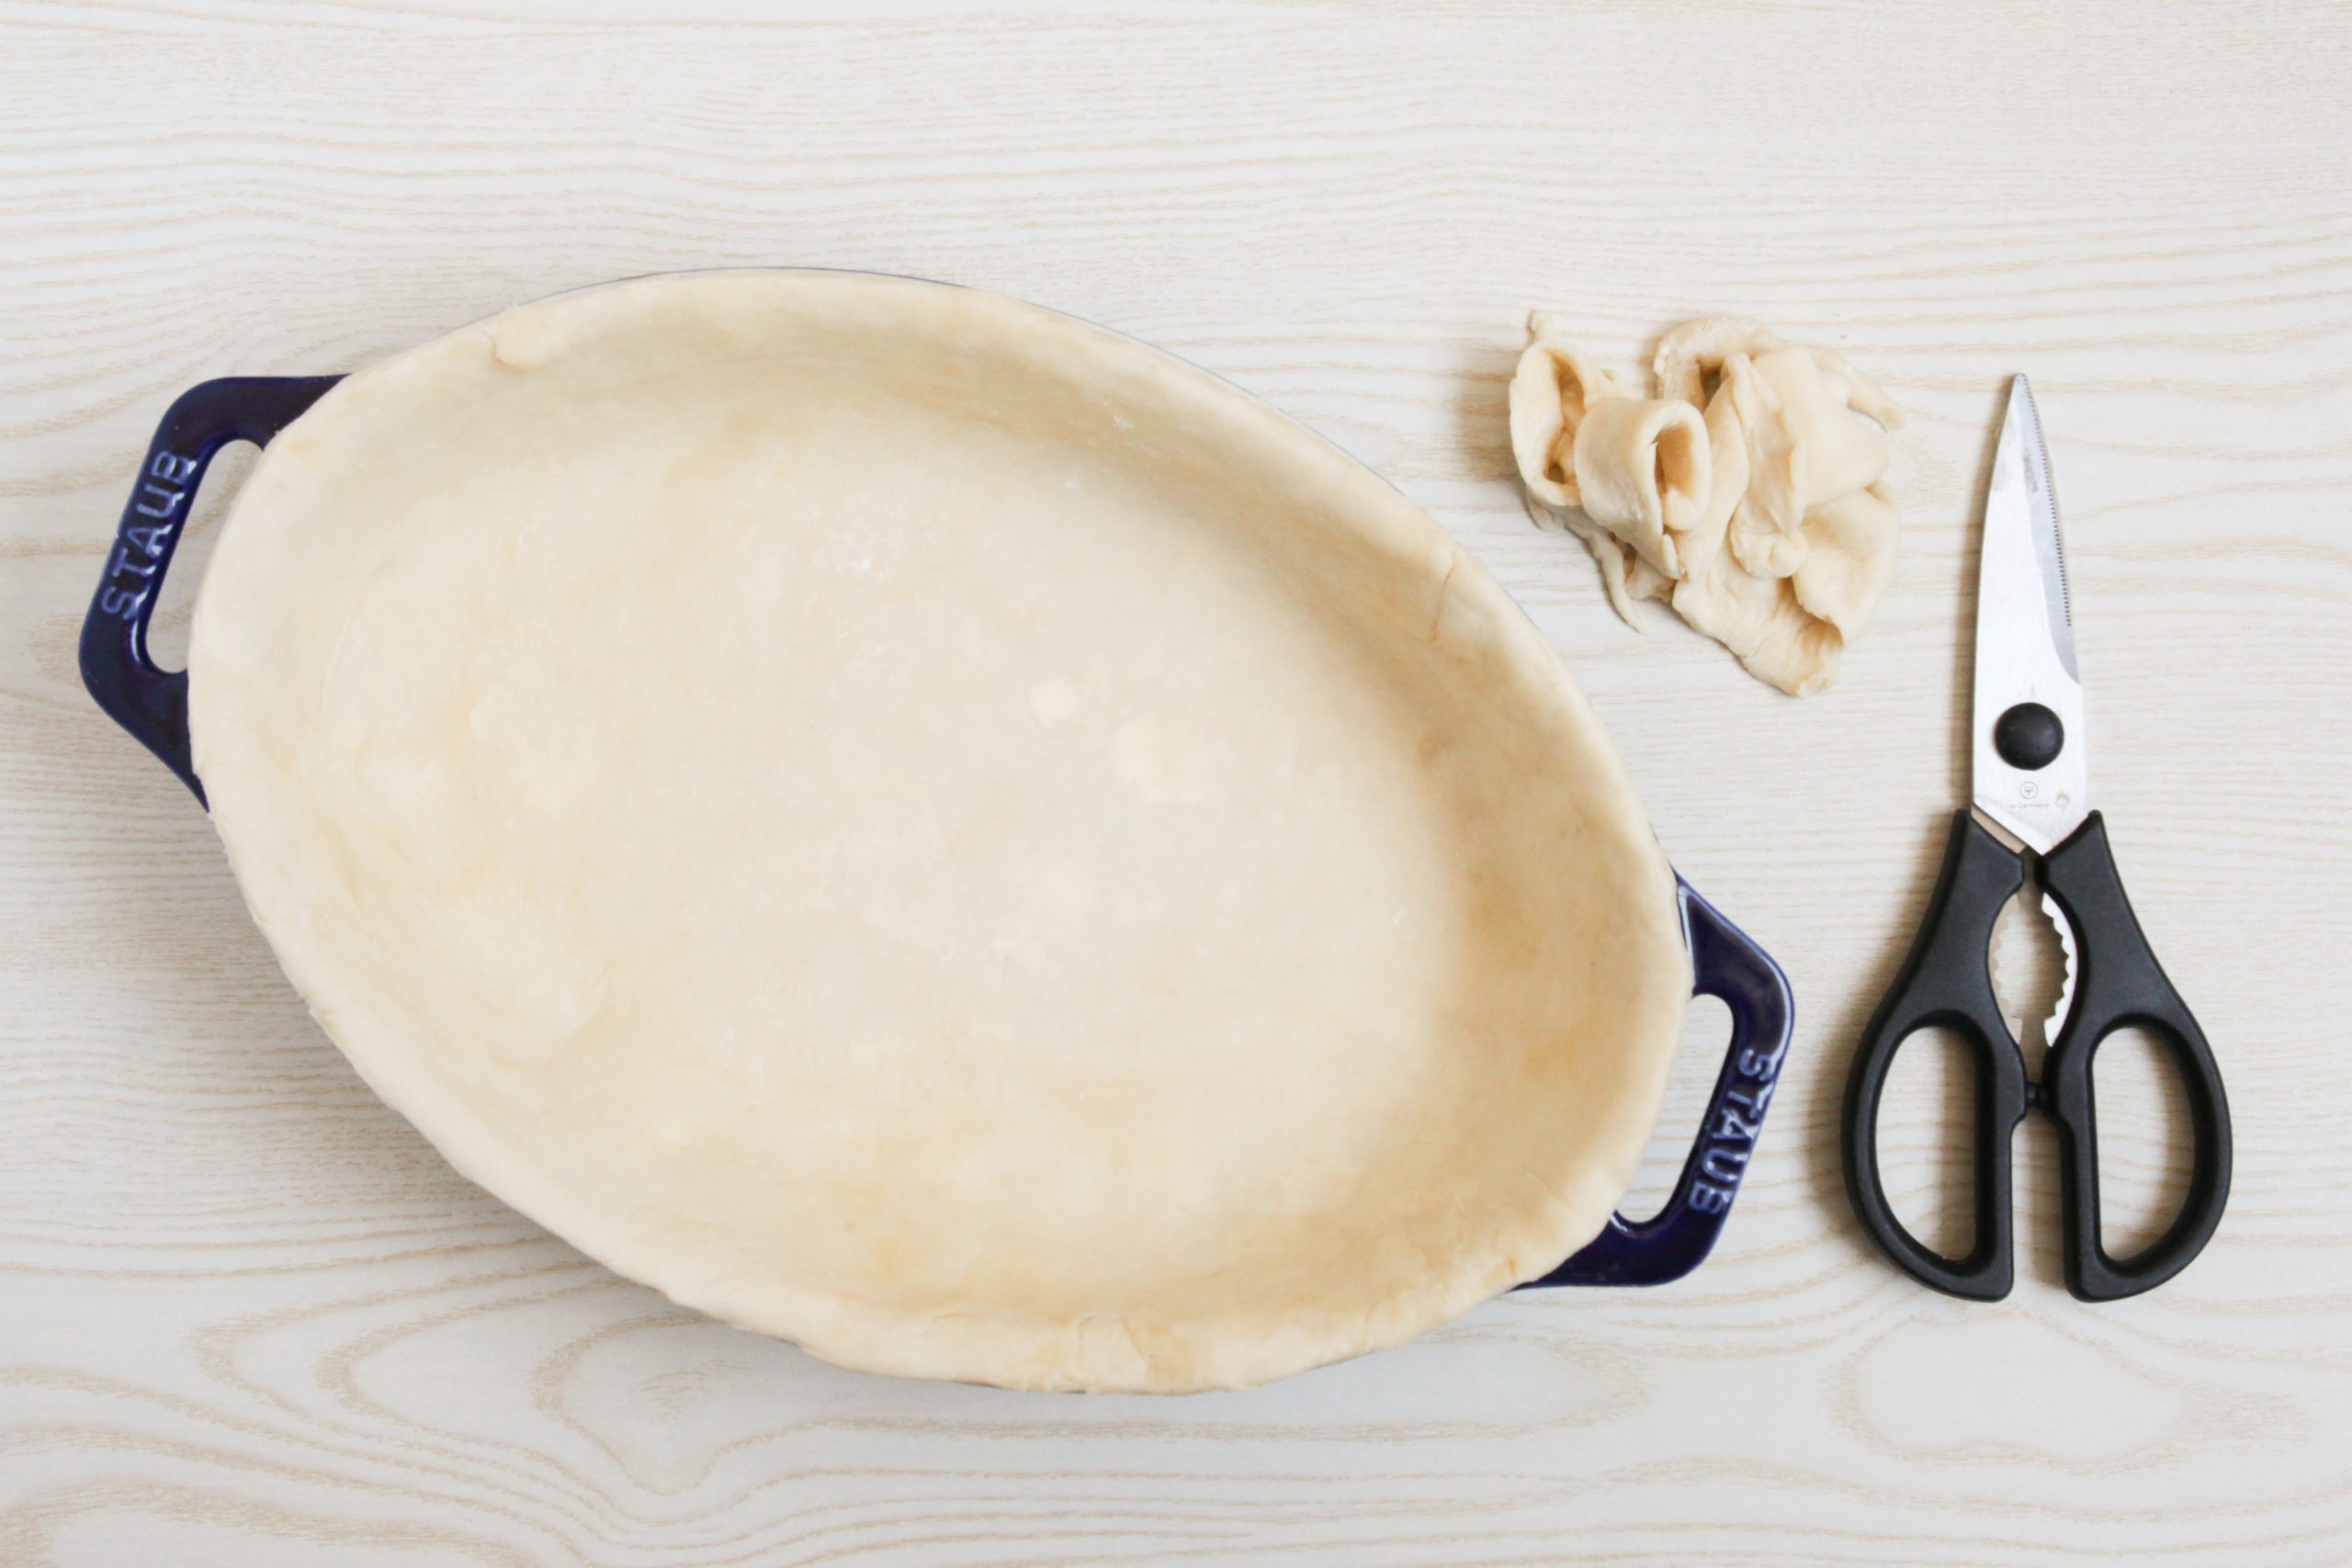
922,827
1750,495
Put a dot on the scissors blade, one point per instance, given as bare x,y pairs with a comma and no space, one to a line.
2025,644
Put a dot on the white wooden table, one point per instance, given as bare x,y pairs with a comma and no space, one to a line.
248,1317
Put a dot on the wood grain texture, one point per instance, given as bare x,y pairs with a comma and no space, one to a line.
247,1316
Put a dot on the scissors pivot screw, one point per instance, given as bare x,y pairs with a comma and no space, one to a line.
2029,736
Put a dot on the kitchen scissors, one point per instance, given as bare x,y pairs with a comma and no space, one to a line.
2030,777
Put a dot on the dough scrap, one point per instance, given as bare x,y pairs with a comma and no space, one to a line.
922,826
1554,384
1759,511
1642,472
1690,356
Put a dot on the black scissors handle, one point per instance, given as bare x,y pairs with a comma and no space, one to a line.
2119,985
1947,981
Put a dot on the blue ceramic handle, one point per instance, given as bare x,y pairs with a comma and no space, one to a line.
150,701
1727,965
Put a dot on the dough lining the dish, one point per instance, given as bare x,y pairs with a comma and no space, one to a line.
924,828
1757,507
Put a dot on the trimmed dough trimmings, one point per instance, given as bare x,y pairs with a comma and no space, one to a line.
1750,495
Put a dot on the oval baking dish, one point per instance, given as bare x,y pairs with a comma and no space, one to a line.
917,825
